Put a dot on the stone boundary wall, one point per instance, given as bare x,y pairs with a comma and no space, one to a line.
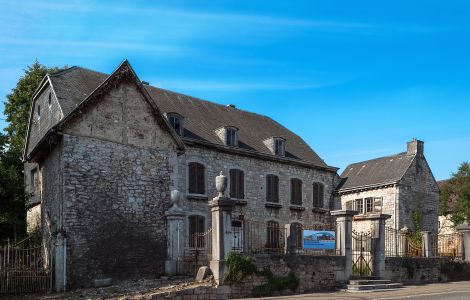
315,274
415,270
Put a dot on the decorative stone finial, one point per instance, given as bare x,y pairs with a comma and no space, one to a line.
175,198
221,184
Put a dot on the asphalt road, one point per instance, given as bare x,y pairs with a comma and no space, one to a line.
436,291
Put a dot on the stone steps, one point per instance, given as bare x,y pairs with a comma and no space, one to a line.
371,285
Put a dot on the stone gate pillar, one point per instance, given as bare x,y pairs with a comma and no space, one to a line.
464,228
379,244
344,239
427,243
221,208
175,236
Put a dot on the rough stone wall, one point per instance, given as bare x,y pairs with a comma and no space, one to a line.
255,186
412,270
122,116
33,218
50,115
419,192
389,196
115,197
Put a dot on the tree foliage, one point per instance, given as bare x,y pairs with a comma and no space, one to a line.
12,192
457,190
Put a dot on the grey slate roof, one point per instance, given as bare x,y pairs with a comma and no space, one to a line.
375,172
201,118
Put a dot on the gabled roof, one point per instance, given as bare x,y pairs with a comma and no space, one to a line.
375,172
69,95
201,118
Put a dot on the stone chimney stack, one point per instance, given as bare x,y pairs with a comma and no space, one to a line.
415,147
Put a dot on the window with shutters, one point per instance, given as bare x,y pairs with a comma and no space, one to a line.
369,205
359,206
272,188
197,226
273,235
196,178
237,184
296,191
318,195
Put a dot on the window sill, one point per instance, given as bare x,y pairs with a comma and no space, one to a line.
240,202
319,210
296,207
197,198
273,205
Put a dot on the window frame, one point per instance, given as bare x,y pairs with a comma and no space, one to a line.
293,191
361,202
366,205
273,235
282,143
233,132
189,178
239,188
318,197
275,189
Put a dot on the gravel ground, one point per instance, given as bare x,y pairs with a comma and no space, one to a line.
129,290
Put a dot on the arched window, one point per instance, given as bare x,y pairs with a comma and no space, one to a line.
196,178
273,236
272,188
197,228
318,195
237,184
296,191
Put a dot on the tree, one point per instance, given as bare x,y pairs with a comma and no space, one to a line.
457,189
13,196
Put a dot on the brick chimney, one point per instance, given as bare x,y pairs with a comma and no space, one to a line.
415,147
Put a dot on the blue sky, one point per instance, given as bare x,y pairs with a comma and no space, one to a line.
355,79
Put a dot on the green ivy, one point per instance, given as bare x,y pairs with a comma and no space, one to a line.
240,266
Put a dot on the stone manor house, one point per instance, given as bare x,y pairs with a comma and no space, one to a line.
103,152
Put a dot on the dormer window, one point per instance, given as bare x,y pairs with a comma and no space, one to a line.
231,137
276,145
279,147
228,135
176,121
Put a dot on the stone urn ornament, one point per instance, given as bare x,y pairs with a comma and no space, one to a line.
221,184
175,198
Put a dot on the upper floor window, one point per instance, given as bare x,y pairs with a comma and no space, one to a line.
296,191
359,206
279,146
369,204
39,111
230,136
318,195
197,227
33,179
49,100
196,178
176,121
272,188
237,184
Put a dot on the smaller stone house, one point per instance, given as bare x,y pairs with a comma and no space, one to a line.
401,185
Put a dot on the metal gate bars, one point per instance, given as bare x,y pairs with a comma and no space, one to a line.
362,258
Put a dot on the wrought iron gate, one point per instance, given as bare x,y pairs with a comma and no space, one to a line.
199,251
362,257
25,267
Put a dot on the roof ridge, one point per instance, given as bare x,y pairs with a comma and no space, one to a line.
377,158
63,71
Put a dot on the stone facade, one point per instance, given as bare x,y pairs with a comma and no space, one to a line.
416,192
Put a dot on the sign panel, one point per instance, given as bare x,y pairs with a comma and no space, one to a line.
319,239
